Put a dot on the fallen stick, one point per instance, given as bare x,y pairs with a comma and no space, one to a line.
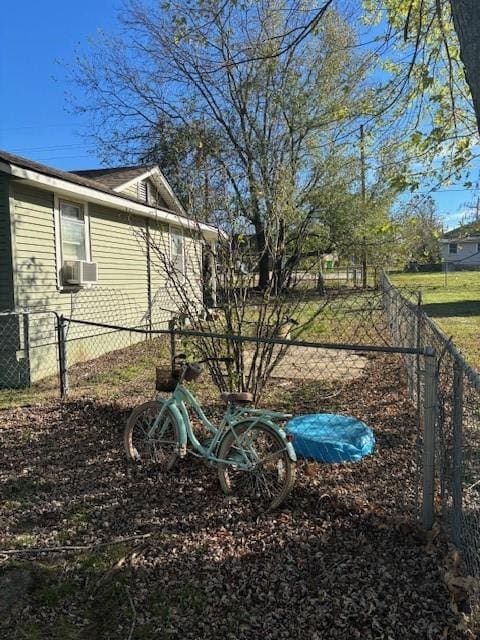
11,552
134,611
117,566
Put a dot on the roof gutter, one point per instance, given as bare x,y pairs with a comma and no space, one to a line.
65,188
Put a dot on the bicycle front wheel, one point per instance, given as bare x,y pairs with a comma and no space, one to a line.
149,440
270,475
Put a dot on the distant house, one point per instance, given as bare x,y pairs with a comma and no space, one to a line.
78,242
462,245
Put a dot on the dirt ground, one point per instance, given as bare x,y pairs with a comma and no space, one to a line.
142,555
317,364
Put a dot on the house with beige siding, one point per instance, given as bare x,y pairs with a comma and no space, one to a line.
82,244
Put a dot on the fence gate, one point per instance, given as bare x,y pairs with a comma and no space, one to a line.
29,349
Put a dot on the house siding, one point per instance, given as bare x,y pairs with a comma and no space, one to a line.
119,249
125,280
163,297
467,252
35,272
131,190
193,268
121,295
134,192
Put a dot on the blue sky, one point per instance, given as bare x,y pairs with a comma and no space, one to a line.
36,40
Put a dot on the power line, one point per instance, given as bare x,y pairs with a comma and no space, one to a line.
39,126
59,147
433,191
64,158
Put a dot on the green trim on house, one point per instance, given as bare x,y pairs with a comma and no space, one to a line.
6,271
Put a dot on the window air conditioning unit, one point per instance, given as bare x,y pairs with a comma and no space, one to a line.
79,272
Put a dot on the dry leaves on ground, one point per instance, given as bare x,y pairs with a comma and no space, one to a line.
341,560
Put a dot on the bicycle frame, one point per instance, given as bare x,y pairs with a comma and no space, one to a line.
182,397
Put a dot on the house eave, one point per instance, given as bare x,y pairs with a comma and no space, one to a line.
459,239
69,189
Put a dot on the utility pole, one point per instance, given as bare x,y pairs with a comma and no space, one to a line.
364,203
474,210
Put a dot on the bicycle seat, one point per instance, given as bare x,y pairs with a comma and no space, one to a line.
237,398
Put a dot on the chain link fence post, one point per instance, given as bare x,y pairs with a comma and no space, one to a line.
457,455
26,377
418,345
429,418
173,344
62,357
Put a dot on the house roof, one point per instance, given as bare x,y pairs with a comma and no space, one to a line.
96,189
471,230
70,176
113,177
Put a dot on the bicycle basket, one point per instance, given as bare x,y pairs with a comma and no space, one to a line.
165,380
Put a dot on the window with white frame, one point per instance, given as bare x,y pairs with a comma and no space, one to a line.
452,248
73,231
177,251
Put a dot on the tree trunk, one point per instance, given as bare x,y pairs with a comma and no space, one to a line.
466,19
364,264
264,262
321,284
279,267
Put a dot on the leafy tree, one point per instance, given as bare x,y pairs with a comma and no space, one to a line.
419,229
254,137
425,93
353,225
466,19
426,49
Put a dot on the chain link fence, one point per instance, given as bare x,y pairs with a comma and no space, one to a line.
28,349
359,350
371,354
366,383
457,439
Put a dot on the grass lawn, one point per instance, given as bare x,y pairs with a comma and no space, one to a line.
453,303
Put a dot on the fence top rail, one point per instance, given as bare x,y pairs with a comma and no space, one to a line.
280,341
29,312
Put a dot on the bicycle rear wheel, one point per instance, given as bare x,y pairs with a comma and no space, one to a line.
146,441
271,475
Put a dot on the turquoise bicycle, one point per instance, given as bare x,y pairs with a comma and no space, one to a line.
254,457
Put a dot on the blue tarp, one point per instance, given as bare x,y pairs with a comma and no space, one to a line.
331,437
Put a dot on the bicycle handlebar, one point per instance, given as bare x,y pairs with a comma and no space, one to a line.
225,359
180,356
